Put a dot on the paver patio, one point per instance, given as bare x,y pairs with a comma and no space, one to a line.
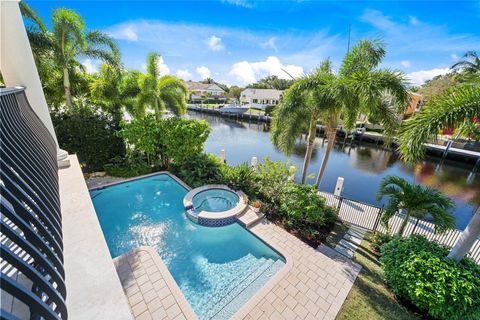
313,284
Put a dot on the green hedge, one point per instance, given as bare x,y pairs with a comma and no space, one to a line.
417,270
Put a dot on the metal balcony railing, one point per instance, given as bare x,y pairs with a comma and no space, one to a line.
32,271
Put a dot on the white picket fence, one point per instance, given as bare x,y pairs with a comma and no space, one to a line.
368,217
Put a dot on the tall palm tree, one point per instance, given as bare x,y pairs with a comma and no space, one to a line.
359,87
29,14
69,41
452,109
416,201
159,93
302,106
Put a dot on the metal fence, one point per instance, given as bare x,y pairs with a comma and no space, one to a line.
368,217
32,272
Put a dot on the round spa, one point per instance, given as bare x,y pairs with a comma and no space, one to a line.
214,205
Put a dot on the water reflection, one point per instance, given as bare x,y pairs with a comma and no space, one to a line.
363,166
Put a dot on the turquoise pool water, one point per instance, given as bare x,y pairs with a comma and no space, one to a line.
218,269
215,200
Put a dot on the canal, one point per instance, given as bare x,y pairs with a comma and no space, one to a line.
361,165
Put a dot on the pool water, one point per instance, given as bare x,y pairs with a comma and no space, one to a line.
215,200
217,269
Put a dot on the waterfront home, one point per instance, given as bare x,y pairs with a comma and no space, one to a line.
260,98
200,92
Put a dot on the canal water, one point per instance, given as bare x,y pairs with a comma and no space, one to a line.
362,166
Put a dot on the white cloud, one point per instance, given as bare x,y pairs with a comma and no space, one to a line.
184,74
406,63
248,72
454,57
162,67
414,21
419,77
90,66
270,43
126,32
204,72
215,43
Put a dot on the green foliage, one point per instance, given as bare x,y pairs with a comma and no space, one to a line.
271,178
199,169
418,270
240,177
417,201
91,135
269,110
132,165
165,140
272,82
304,210
378,239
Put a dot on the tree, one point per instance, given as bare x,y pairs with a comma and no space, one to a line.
416,201
157,92
69,41
359,87
470,64
272,82
235,92
452,109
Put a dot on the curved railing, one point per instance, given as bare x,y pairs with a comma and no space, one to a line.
32,271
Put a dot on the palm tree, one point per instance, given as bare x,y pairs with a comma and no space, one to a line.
29,14
470,64
69,41
359,87
415,201
452,109
159,92
301,108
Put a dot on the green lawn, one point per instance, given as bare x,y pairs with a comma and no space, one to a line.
369,298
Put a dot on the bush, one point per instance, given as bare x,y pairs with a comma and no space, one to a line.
165,140
199,169
269,110
417,270
378,239
131,166
305,211
89,134
240,177
271,178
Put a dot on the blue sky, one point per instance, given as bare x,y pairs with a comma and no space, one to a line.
240,41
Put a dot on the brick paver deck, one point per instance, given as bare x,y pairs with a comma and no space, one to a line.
150,288
313,284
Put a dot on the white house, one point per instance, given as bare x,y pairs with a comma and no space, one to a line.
260,98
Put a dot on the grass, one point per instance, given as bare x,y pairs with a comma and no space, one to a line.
369,298
339,230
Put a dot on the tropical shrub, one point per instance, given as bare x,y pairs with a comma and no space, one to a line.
126,167
165,140
89,134
378,239
240,177
304,211
199,169
271,178
418,270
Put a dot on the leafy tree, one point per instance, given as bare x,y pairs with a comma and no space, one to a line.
165,140
272,82
235,92
158,93
470,64
359,87
416,201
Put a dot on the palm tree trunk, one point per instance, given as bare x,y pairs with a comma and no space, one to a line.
404,224
66,86
312,131
467,239
331,136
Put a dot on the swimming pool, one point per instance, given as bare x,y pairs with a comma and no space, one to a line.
218,269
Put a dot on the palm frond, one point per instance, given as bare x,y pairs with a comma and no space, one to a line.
29,13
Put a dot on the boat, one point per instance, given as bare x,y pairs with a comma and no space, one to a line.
233,108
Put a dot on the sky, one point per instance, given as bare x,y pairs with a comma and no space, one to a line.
238,42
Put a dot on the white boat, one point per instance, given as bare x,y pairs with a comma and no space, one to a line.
233,108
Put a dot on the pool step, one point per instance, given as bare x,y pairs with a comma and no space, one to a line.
249,291
228,304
